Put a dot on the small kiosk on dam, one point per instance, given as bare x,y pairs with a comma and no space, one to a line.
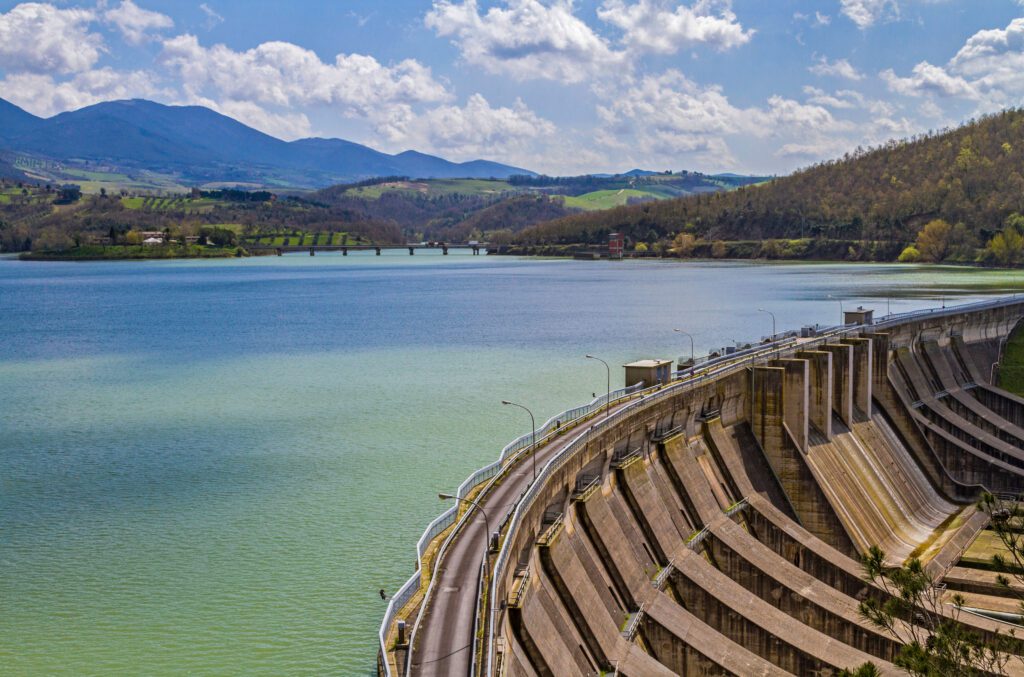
713,523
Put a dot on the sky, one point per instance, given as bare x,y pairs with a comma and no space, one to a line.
555,86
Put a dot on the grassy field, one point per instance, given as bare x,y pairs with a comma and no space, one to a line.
303,239
432,187
605,199
180,204
1011,370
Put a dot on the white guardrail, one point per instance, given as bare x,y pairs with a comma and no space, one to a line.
552,466
449,516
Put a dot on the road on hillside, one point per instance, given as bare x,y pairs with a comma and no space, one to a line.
444,640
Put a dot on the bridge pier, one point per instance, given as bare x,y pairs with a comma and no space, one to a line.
444,249
344,251
412,250
312,251
279,252
378,251
476,251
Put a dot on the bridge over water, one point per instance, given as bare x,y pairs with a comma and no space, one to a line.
713,524
444,247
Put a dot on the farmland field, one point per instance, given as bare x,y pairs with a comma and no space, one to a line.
433,187
605,199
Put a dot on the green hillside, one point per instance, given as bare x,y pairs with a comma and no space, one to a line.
971,179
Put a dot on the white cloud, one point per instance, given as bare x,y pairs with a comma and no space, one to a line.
477,129
287,126
927,79
212,17
865,13
654,26
42,95
135,23
840,68
285,75
526,39
40,38
843,99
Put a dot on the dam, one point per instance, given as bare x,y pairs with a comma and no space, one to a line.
713,523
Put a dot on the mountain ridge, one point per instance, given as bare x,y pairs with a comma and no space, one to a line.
198,144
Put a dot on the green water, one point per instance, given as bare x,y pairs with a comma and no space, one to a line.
211,467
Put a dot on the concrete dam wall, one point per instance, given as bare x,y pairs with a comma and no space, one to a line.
716,527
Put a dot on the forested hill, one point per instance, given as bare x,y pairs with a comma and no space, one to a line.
972,175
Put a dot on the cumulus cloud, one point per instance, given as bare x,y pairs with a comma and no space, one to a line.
865,13
654,26
526,39
135,23
926,78
285,75
40,38
840,68
477,128
42,95
283,125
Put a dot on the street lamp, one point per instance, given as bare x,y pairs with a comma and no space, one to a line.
608,397
762,310
842,316
693,362
534,424
487,523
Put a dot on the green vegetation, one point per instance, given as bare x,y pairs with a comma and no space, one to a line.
933,643
606,199
430,187
1011,365
91,252
955,195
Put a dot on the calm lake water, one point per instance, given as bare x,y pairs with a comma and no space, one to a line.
211,467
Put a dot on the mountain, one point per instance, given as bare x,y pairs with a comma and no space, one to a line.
972,175
14,121
196,144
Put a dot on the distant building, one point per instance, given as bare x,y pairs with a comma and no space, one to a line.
153,240
616,243
648,371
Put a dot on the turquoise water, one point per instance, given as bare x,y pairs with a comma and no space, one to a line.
211,467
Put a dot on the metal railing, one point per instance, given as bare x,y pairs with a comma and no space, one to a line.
709,369
449,516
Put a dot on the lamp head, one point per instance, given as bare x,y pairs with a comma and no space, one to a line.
505,402
445,497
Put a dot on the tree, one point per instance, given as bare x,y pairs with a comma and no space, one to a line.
933,240
718,250
910,255
934,644
1006,248
683,244
1005,519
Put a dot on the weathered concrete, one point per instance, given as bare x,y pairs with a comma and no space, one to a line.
769,583
820,389
842,380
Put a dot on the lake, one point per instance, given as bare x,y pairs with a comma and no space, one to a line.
211,467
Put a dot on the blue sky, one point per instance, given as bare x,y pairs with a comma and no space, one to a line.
562,87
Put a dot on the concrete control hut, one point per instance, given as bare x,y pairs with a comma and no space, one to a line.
648,371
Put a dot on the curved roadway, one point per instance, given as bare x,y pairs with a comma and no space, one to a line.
443,644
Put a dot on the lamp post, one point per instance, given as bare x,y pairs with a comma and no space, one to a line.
693,362
842,316
533,423
487,523
608,397
762,310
